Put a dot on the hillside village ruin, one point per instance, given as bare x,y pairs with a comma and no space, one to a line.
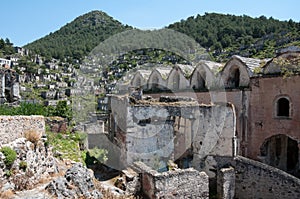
232,128
259,115
262,93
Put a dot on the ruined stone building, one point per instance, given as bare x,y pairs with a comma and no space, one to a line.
238,122
264,93
155,131
9,86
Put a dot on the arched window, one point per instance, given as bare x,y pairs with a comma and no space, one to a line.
283,107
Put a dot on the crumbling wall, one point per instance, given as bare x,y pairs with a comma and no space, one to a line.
57,124
155,132
226,183
258,180
252,179
214,134
13,127
187,183
240,99
149,136
118,106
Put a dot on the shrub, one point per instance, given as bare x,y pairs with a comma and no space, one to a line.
8,173
79,137
99,154
33,136
23,165
10,155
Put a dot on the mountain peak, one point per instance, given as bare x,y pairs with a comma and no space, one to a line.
95,15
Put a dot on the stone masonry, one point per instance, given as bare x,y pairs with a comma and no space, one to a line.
256,180
243,178
155,132
13,127
187,183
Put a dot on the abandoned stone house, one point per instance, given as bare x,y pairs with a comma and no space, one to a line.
155,131
264,93
9,86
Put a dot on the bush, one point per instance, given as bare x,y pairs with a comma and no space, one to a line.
23,165
79,137
33,136
8,173
62,109
23,109
99,154
10,155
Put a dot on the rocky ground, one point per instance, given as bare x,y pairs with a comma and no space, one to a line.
37,174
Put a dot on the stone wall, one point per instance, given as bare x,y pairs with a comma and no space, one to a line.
57,124
257,180
254,180
13,127
241,101
188,183
155,132
226,183
264,121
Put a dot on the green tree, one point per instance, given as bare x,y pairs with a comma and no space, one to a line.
63,110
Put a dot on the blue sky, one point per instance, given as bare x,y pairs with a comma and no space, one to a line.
23,21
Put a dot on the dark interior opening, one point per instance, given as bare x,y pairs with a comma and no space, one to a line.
201,81
281,152
292,154
283,107
236,78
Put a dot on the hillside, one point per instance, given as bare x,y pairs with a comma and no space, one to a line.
226,35
222,35
78,38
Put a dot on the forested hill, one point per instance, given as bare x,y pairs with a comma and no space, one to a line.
222,35
78,38
226,35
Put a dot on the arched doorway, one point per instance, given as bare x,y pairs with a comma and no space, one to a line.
282,152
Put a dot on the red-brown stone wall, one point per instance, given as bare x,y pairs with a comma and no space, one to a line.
262,116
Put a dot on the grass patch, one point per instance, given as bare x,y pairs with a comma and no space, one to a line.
66,145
